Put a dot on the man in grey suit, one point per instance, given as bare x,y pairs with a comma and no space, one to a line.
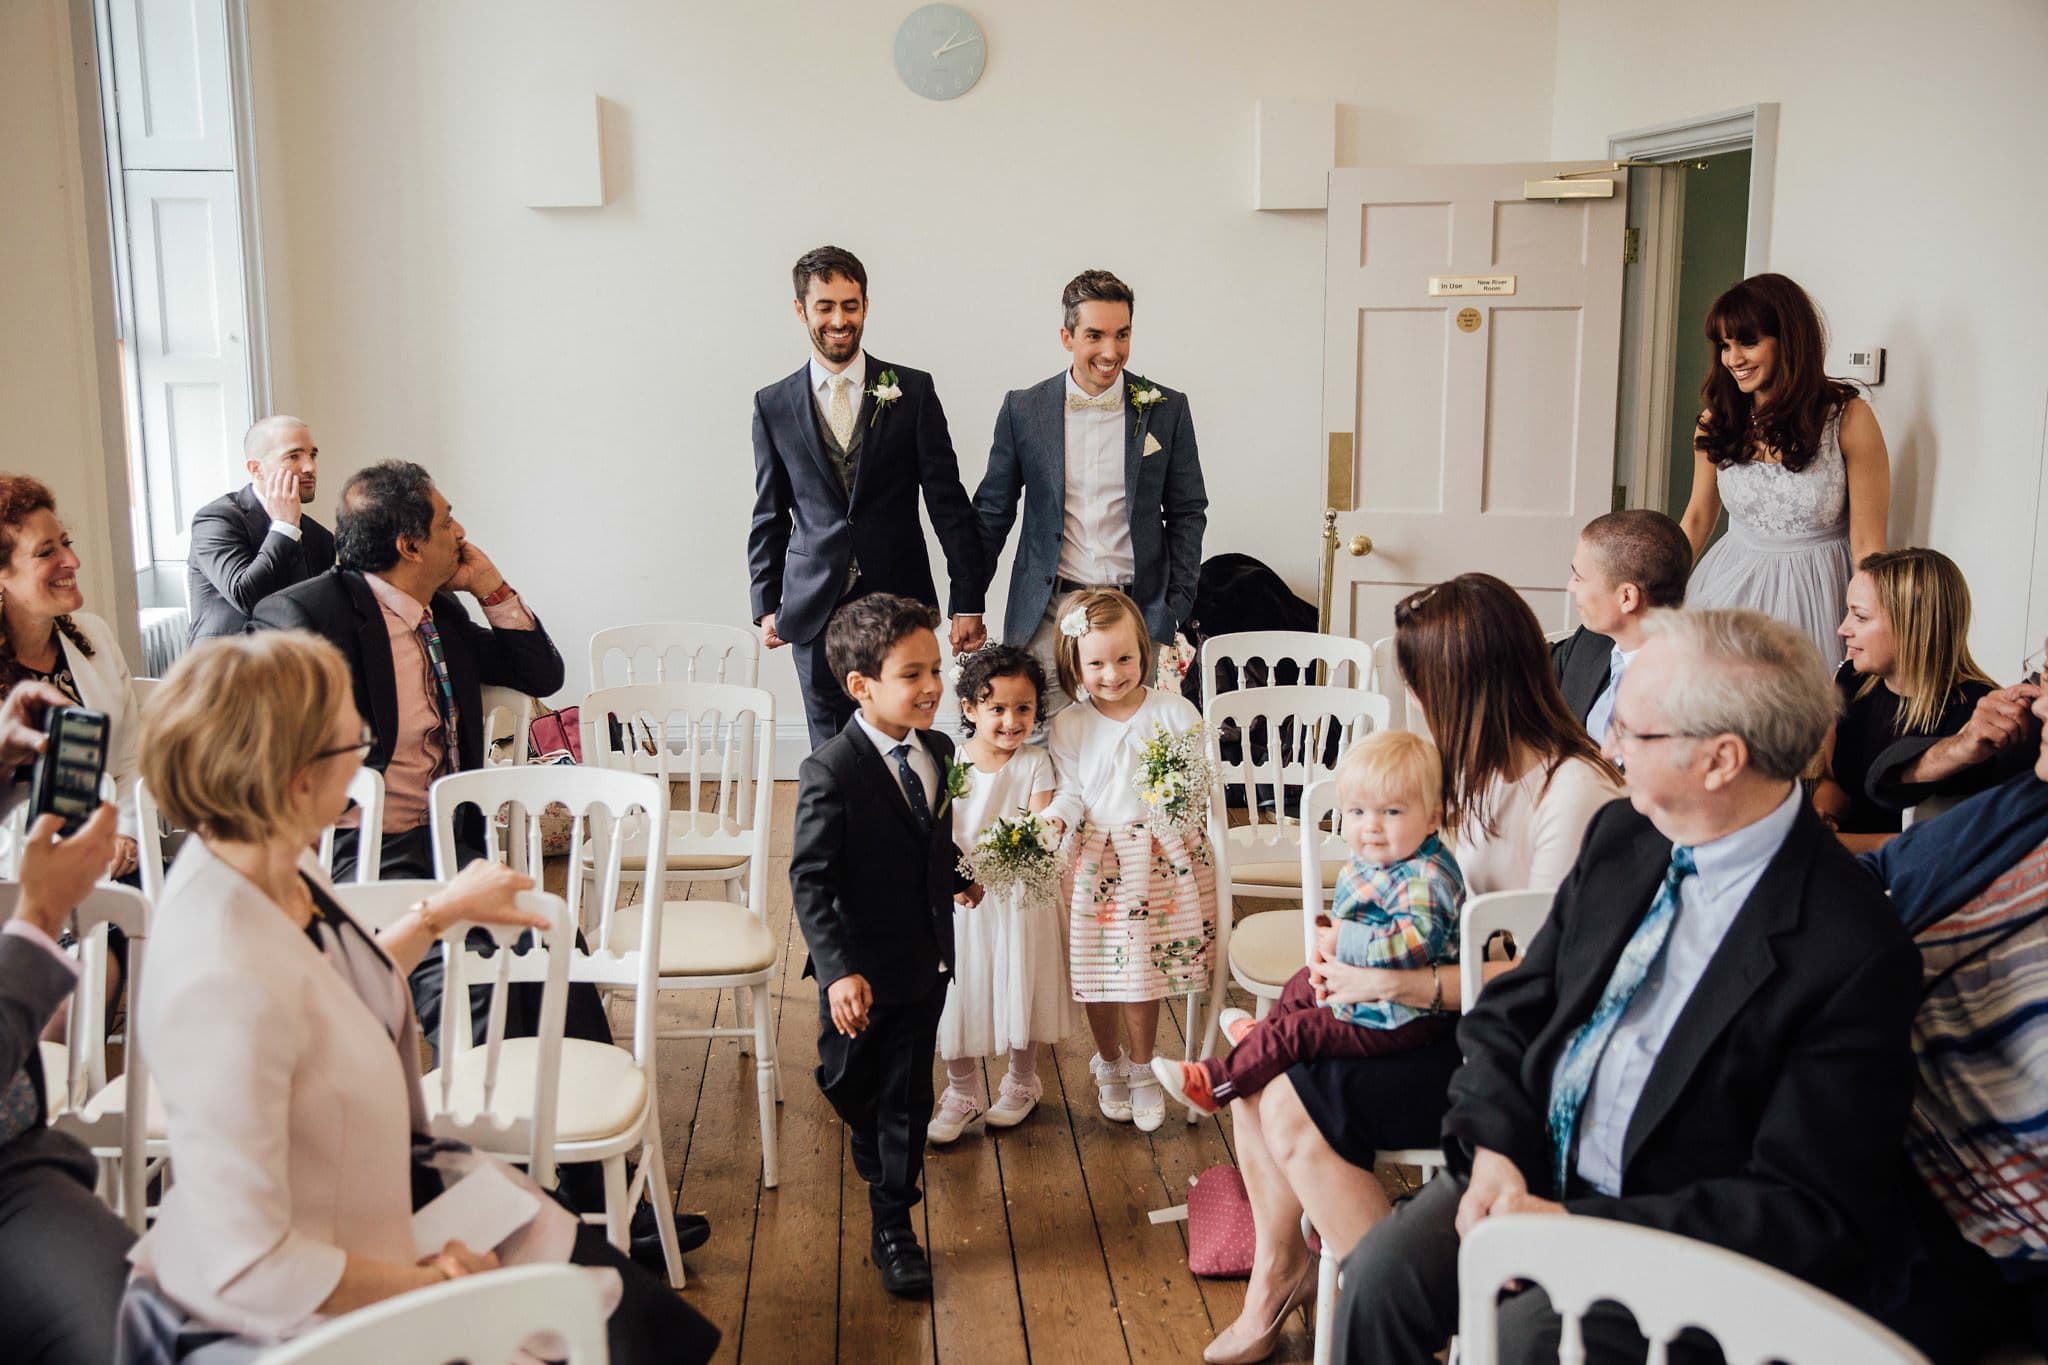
63,1254
1111,479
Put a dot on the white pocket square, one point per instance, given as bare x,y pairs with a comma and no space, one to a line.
1151,445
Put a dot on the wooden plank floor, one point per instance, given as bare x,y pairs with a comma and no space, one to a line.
1041,1245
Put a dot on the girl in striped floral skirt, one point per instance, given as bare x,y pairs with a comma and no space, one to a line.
1142,917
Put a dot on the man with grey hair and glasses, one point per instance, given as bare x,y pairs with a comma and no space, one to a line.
1709,1036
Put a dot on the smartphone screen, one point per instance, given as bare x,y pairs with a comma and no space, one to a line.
66,778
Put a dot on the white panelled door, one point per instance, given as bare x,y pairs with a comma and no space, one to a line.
1481,442
171,81
191,361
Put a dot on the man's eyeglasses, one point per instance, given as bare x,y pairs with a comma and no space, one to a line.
361,746
1619,734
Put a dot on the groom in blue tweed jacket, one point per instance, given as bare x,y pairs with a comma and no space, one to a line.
1111,479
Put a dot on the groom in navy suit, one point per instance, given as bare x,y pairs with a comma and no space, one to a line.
1112,482
841,449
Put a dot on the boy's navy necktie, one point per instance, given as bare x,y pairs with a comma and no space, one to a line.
913,787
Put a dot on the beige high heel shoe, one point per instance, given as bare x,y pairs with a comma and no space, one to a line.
1230,1349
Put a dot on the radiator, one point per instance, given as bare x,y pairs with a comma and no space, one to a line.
163,638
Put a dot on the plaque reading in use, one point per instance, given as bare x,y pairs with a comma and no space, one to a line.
1453,285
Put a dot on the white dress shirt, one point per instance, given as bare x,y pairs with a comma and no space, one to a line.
921,761
1708,901
1095,546
1603,705
283,528
856,373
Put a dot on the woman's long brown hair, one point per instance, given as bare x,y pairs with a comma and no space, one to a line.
1733,430
1472,652
21,496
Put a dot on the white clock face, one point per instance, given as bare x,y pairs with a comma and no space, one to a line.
940,51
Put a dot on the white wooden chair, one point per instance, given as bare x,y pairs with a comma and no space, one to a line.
504,1095
1756,1312
1519,914
609,1104
1344,662
78,1067
675,651
507,714
1322,660
1294,727
153,842
710,740
1385,679
484,1319
366,789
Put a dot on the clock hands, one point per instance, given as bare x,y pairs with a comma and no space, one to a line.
955,41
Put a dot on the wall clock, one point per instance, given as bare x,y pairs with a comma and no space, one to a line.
940,51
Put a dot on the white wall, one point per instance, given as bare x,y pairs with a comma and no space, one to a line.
1909,200
580,381
53,423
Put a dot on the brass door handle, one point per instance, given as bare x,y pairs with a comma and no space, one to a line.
1360,545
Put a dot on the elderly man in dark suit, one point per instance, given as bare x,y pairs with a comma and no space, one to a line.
63,1254
1111,482
1709,1035
256,540
842,449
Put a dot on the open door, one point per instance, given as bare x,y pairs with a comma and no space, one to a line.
1470,360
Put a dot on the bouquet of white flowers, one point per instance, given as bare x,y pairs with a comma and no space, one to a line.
1016,850
1173,779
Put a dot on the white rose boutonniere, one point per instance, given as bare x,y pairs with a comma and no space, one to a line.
1145,396
884,391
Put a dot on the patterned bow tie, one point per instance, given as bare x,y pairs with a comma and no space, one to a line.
1107,401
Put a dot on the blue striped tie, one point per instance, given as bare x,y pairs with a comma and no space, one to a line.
1582,1053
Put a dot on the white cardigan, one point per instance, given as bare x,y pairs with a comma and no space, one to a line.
103,685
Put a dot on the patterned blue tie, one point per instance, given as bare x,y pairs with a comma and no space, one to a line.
1582,1053
444,687
913,787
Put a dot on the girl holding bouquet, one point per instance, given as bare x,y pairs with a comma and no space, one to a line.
1134,790
1010,973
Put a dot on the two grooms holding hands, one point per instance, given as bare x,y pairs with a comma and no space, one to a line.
1104,464
1111,481
841,449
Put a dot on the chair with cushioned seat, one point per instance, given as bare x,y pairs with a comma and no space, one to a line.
1289,738
709,741
608,1104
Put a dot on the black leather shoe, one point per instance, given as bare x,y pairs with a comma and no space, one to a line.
693,1230
901,1260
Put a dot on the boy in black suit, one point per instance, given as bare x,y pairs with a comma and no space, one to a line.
873,875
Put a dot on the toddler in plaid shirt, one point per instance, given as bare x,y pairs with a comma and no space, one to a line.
1396,905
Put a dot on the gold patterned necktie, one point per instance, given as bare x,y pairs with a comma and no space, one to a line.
840,411
1108,400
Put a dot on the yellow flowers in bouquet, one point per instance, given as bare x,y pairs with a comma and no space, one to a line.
1173,779
1016,850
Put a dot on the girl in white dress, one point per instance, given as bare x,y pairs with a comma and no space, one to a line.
1142,914
1009,953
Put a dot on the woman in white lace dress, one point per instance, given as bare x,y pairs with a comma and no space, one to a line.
1796,457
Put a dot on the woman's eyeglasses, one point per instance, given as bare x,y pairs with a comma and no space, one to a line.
361,746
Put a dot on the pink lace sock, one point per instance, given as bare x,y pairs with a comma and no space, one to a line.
963,1078
1024,1062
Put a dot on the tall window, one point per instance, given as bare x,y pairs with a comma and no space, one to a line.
180,179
